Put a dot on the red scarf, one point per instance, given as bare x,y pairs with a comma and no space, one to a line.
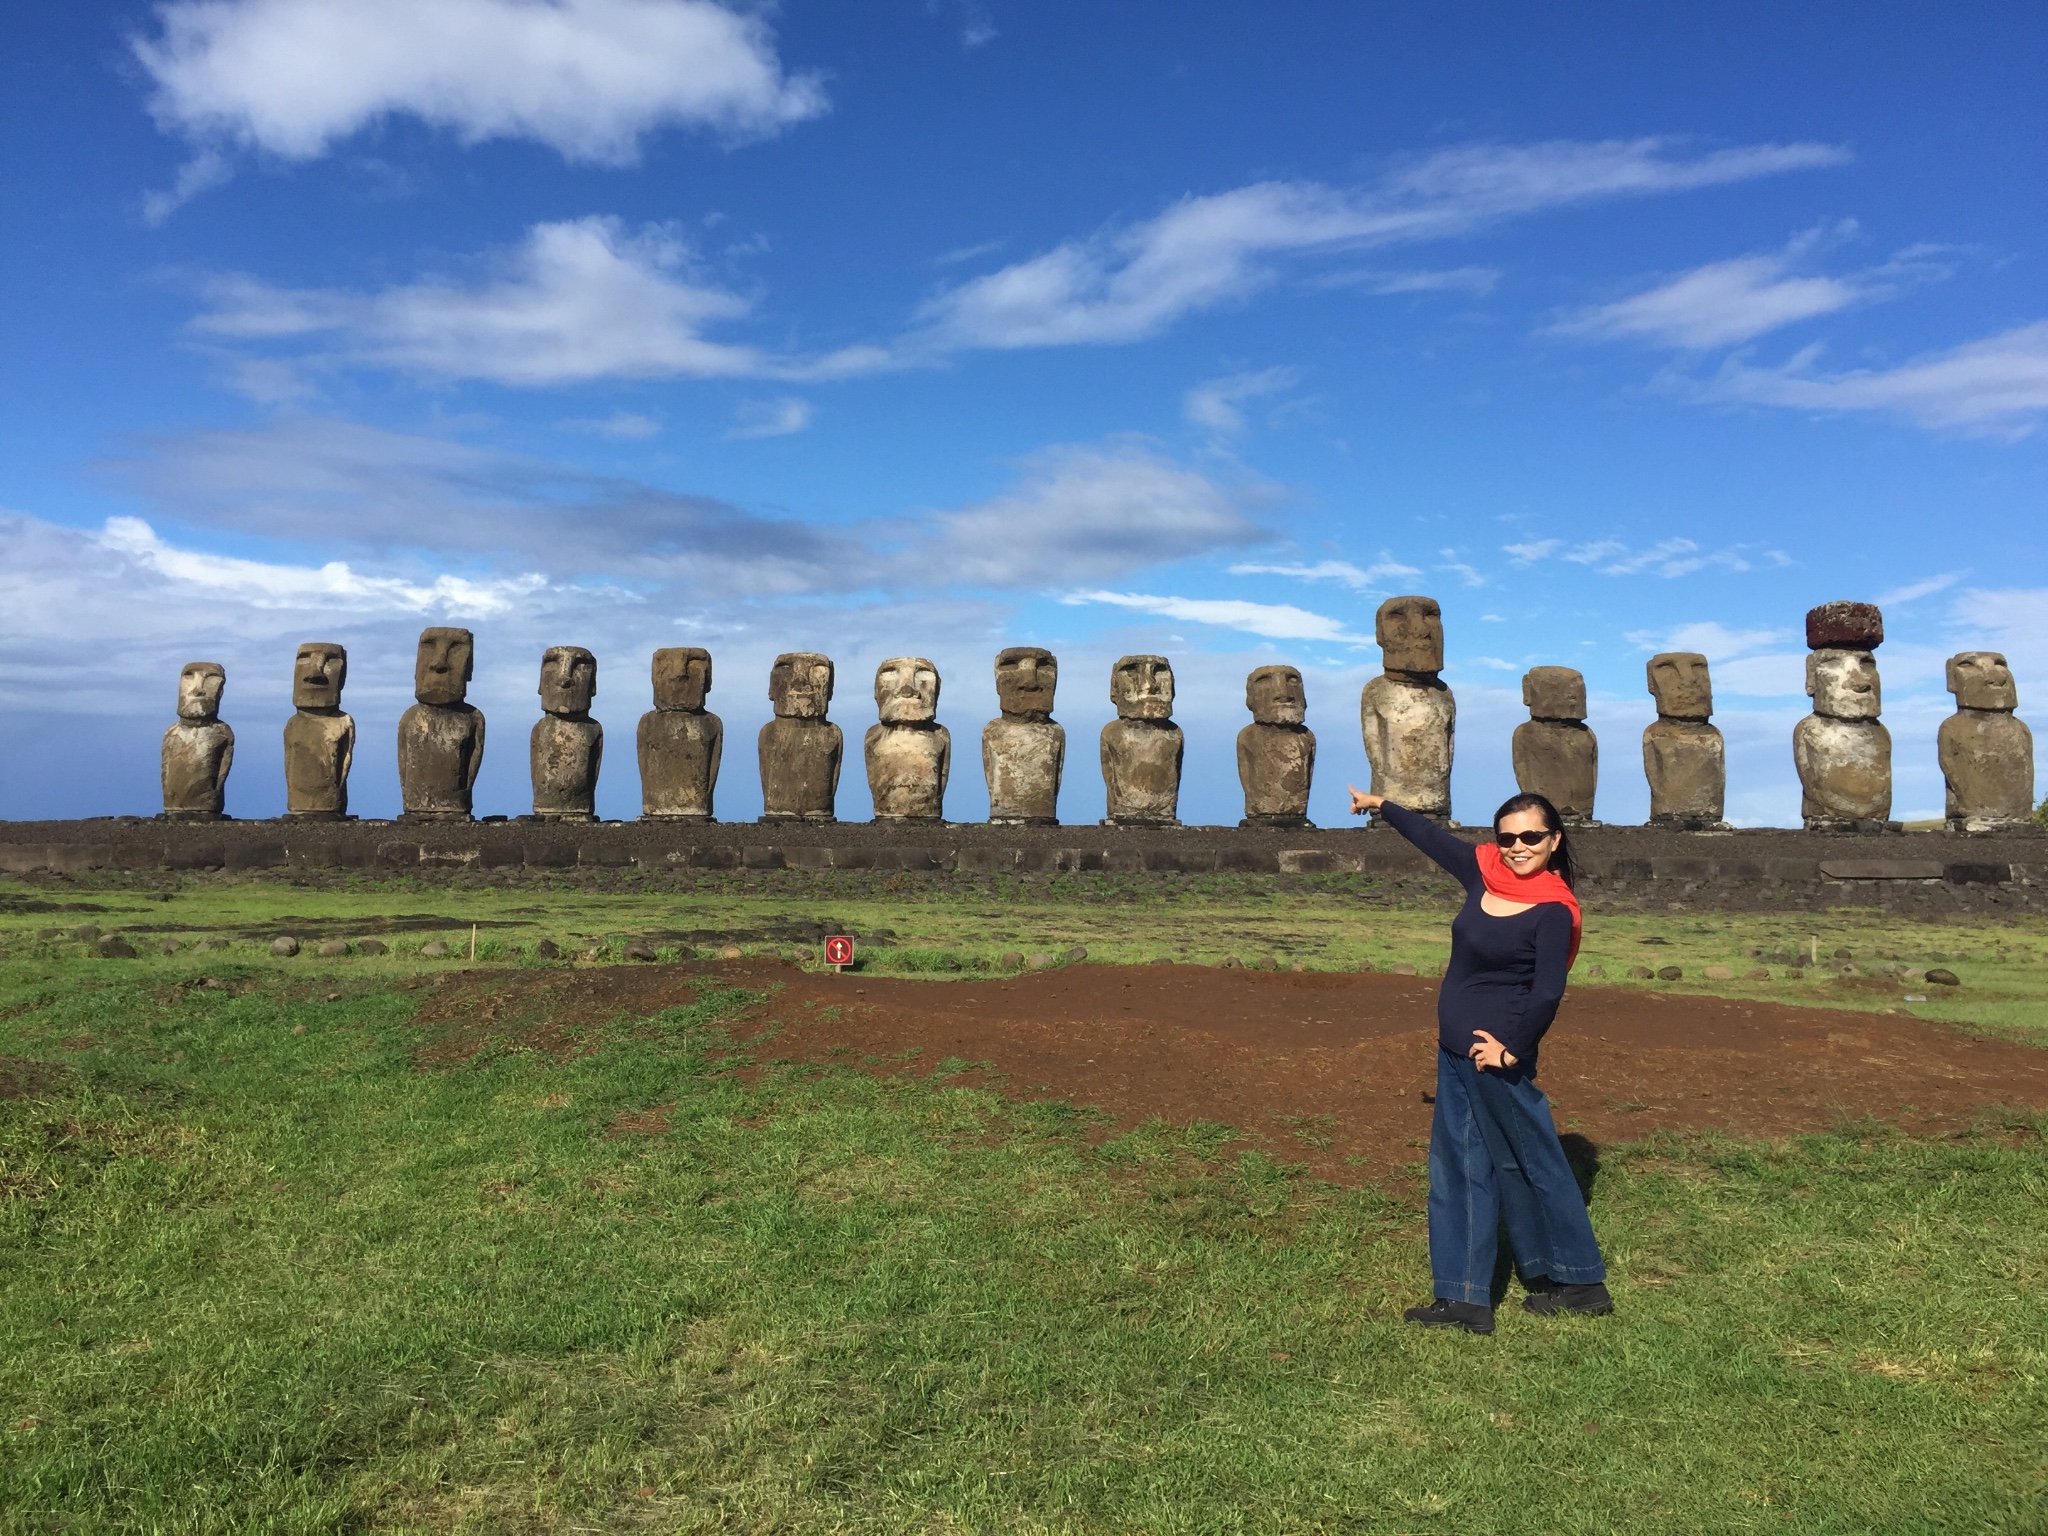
1544,885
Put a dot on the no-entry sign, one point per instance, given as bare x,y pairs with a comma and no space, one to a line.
839,951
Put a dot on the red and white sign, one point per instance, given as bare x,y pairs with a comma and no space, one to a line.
839,951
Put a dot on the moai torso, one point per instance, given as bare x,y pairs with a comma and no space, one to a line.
1407,716
1555,755
800,749
1024,752
681,742
1684,757
909,755
199,750
1842,750
1986,750
1142,748
319,740
441,738
566,749
1276,753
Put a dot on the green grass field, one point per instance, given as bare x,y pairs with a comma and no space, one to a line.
262,1269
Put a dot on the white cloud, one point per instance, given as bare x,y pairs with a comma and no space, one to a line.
1275,621
1215,405
1668,557
588,78
770,418
620,426
1126,284
1478,281
1471,575
1998,385
1372,578
1710,639
1913,591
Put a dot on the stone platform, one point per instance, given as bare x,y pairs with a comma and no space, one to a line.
1745,868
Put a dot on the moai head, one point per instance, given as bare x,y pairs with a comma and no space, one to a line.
1410,632
1275,696
800,685
1681,684
318,675
441,671
682,676
907,690
1554,693
1844,627
1025,679
1843,684
568,681
1141,687
1981,680
200,686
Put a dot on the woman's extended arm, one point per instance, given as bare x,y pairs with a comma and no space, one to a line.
1453,853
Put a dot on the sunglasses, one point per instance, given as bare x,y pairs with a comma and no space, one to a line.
1526,839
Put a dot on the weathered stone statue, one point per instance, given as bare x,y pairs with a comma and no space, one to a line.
1407,715
1842,750
200,749
1276,753
800,748
1987,752
1684,757
1024,752
319,740
441,738
1555,754
1142,747
566,749
909,754
681,742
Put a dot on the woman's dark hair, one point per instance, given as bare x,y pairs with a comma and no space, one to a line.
1561,861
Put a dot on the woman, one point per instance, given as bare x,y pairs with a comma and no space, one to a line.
1493,1148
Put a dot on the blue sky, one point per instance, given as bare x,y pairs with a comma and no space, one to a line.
932,326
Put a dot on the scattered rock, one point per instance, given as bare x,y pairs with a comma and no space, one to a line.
1365,967
284,946
1718,973
1299,965
1403,968
372,947
1912,975
114,947
332,949
1845,954
1656,941
434,949
1759,974
641,950
213,943
1161,960
1076,955
1043,960
1013,960
595,952
1670,973
1795,974
1847,971
548,949
332,997
1596,970
1944,978
1232,963
732,952
1640,973
298,1029
49,933
171,946
85,933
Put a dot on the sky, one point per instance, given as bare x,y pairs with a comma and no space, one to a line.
928,327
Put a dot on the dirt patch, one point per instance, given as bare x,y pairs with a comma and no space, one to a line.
21,1078
1334,1070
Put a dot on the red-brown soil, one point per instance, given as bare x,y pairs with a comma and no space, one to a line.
1333,1070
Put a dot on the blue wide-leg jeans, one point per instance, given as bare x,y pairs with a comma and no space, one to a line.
1494,1156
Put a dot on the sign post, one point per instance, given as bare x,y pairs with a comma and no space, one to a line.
839,951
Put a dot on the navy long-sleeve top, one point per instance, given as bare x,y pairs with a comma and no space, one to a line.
1506,974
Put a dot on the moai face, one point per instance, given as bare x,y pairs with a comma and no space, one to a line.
568,680
800,685
1410,631
1843,684
1141,687
1025,679
682,677
1275,696
1681,684
200,686
441,671
318,675
1554,693
907,690
1981,680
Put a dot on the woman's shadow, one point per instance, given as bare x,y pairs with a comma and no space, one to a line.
1583,1153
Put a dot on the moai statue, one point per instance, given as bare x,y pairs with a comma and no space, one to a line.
681,741
1024,752
319,740
1987,752
1555,755
1842,750
1142,747
909,754
1276,753
441,738
566,749
1683,756
800,748
200,749
1407,715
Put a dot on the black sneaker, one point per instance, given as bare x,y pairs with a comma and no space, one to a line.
1452,1314
1586,1300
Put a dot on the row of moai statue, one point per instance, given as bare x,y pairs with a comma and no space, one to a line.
1407,716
